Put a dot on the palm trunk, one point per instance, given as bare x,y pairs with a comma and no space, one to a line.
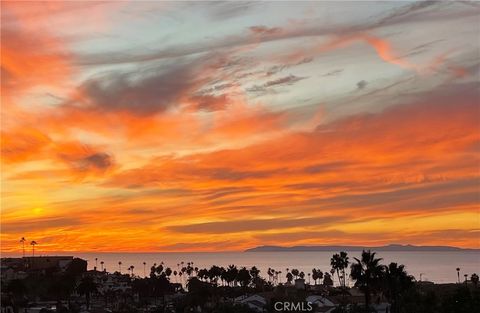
367,299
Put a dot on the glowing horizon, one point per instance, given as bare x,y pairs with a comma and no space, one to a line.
174,126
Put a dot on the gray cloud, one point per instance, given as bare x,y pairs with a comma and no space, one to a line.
151,92
362,84
222,10
287,80
279,68
210,102
93,161
333,73
282,81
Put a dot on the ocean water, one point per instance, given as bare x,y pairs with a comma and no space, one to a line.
436,266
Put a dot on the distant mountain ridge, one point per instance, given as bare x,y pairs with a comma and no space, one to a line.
391,247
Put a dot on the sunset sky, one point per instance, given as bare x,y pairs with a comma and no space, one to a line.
215,126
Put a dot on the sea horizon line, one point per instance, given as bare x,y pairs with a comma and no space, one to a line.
275,248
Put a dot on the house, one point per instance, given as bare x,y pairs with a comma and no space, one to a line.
47,262
8,274
255,302
114,282
382,307
322,303
17,264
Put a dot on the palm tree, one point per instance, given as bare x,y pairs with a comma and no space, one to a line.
33,243
397,282
96,263
317,274
339,263
120,267
23,240
474,279
458,274
101,264
367,273
132,268
289,277
168,272
295,273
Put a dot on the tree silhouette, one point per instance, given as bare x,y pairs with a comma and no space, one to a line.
232,273
327,279
367,273
397,283
317,274
254,272
474,279
168,272
458,274
289,277
295,273
244,278
339,263
33,243
86,287
23,240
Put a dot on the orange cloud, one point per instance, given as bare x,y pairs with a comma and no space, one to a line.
31,56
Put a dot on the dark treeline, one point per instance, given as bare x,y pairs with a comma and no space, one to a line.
217,289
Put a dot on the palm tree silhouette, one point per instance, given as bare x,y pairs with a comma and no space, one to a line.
458,274
23,240
474,279
132,267
339,263
120,267
397,282
144,268
33,243
96,263
367,273
101,264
